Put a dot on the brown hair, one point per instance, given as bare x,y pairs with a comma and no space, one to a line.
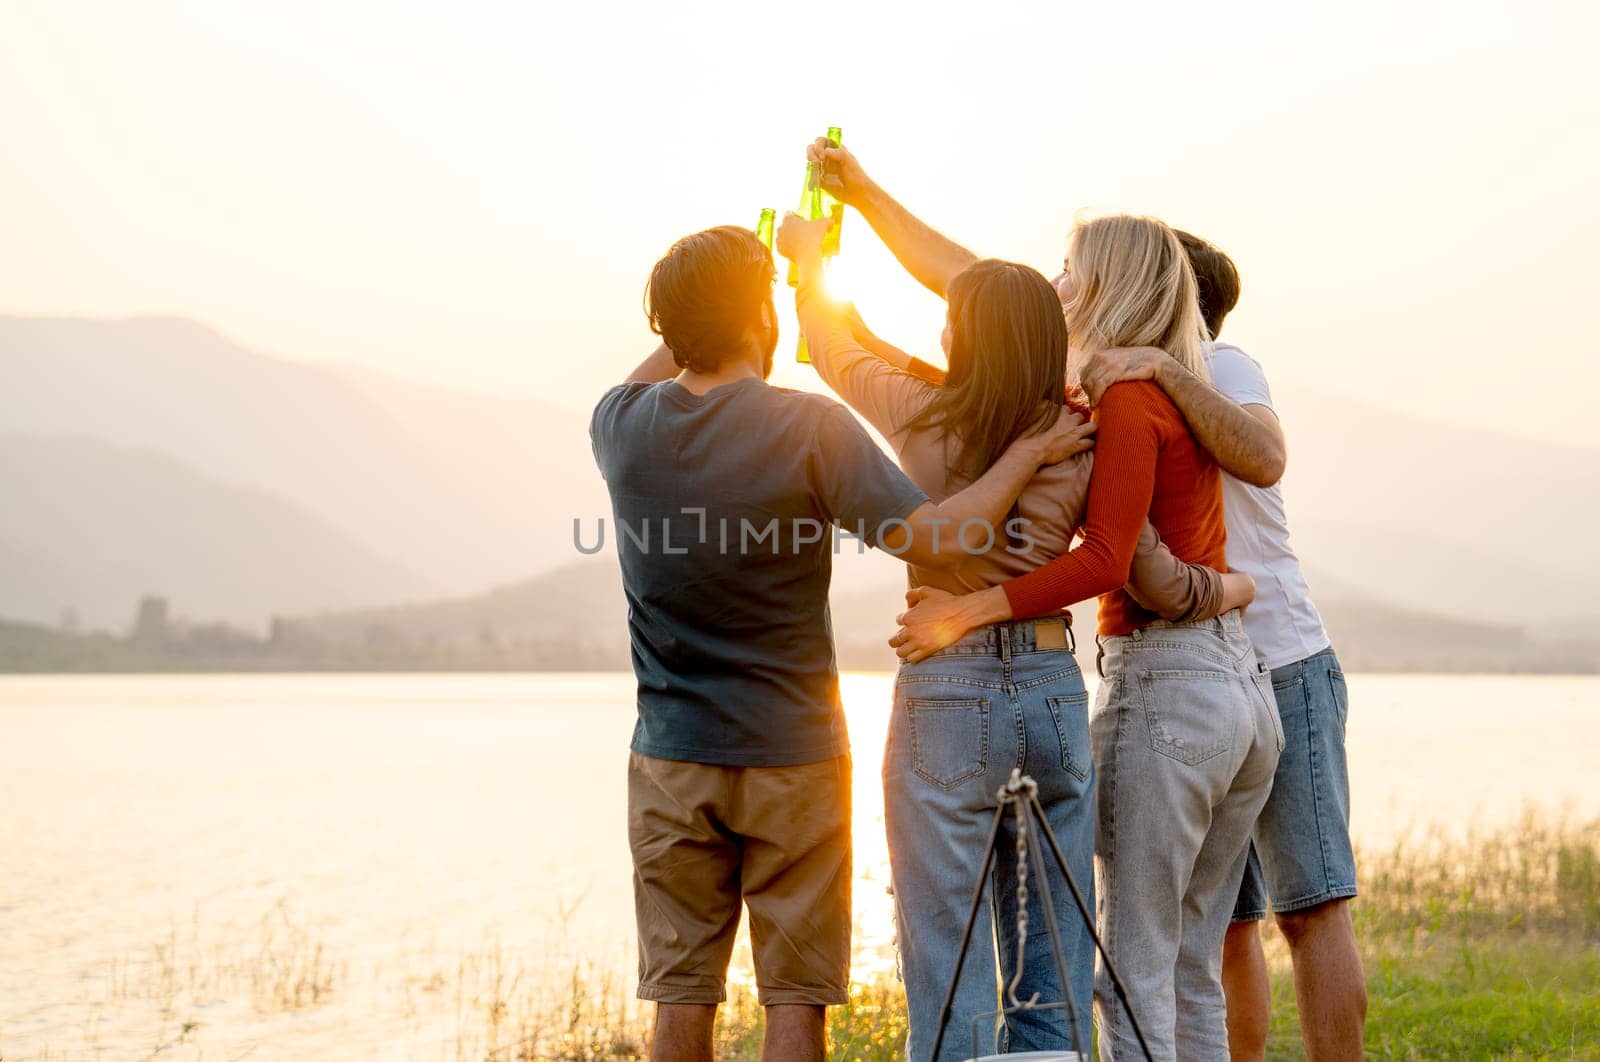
705,295
1008,363
1216,277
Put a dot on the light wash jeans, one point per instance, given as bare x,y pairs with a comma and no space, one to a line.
963,718
1186,737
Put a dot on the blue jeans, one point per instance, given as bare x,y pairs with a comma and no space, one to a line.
1006,695
1301,855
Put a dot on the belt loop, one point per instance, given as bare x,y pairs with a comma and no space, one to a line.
1072,639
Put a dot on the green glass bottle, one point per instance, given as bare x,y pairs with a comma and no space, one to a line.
764,227
810,208
815,203
830,207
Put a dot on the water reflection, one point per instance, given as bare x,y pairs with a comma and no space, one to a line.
410,825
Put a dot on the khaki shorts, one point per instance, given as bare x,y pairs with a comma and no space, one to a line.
705,837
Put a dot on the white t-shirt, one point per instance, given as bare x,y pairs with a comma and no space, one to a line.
1282,622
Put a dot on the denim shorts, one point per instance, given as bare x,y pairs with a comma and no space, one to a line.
1301,855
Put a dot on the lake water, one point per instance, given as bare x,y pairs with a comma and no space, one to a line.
177,849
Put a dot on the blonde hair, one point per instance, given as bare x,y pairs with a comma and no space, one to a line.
1135,288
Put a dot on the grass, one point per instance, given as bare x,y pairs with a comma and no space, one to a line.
280,967
1483,947
1471,999
1486,946
1478,947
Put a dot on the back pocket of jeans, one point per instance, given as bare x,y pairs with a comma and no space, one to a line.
1072,728
949,739
1192,715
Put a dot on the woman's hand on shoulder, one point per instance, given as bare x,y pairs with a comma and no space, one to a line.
1069,435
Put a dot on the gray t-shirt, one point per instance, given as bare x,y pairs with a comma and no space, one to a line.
722,507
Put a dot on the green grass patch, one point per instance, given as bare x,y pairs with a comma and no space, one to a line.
1485,946
1533,997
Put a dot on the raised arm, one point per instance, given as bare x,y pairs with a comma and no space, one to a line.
873,343
1246,440
875,381
928,255
656,367
870,341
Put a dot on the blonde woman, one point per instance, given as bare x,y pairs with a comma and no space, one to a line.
1184,736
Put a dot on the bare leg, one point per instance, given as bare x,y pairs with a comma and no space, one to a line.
683,1032
1330,986
794,1034
1248,988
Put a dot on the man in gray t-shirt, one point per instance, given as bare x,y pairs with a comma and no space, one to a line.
1301,858
725,492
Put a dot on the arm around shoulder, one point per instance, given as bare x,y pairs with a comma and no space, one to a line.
1247,441
657,366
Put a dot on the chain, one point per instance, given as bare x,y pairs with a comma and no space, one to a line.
1017,791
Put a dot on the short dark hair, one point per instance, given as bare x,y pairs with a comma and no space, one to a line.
1216,277
706,294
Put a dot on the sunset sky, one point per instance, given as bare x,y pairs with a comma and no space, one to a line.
473,194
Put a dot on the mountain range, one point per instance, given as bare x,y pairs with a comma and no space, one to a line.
456,490
157,455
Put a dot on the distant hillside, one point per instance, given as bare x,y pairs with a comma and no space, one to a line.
582,607
466,490
89,527
456,491
1438,518
579,606
575,619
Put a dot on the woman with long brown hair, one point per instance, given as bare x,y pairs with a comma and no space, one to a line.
1003,695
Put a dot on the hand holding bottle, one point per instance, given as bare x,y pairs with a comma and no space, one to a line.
842,175
800,239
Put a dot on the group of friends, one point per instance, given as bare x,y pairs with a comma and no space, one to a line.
1092,438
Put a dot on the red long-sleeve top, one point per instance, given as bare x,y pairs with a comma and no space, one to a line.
1146,463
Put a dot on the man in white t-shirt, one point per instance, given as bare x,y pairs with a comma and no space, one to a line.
1301,857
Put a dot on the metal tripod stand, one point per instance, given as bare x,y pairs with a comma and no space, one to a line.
1021,795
